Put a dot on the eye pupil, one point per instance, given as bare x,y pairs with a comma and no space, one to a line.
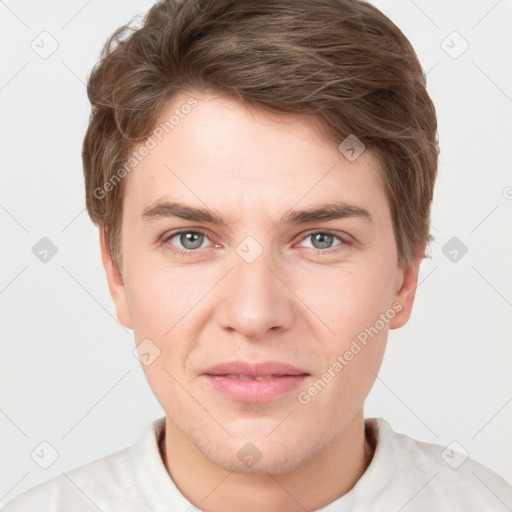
190,240
324,239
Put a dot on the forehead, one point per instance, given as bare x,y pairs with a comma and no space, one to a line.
210,150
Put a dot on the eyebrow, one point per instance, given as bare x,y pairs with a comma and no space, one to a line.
320,213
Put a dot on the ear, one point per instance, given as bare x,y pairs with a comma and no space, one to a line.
405,288
115,282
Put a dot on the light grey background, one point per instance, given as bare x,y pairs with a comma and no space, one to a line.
68,375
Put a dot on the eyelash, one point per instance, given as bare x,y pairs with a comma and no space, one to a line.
192,252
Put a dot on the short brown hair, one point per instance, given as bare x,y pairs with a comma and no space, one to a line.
342,61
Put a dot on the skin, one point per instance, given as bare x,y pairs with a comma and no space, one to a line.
294,303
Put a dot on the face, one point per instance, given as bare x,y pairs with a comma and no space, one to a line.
268,311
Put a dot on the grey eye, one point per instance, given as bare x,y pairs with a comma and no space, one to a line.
322,240
191,239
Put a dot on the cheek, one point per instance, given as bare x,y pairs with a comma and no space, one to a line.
351,304
343,384
159,304
160,297
167,307
347,300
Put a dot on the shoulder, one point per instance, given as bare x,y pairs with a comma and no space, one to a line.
131,480
87,488
124,480
440,475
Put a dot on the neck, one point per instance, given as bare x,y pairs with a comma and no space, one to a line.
311,486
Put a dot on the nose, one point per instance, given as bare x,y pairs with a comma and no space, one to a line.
255,299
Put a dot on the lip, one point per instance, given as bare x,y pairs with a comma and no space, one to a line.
285,378
254,369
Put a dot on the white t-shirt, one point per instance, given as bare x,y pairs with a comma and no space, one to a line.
404,475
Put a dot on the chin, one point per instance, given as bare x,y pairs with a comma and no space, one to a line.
262,456
272,464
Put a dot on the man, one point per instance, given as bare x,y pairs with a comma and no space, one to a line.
262,173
